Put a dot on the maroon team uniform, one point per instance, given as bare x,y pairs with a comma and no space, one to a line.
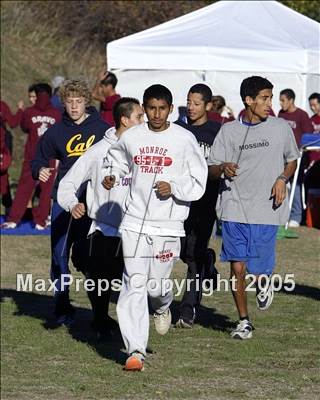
106,108
315,120
35,121
6,117
299,122
214,116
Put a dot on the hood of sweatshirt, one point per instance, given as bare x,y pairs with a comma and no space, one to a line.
110,136
43,101
93,116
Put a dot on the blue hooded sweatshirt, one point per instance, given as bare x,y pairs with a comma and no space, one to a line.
66,141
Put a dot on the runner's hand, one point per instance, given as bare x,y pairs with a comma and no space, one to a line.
20,104
163,188
78,211
108,182
229,169
102,75
278,192
45,173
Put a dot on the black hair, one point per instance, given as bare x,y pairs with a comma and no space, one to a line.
289,93
218,102
43,87
123,108
32,88
252,86
202,89
110,79
315,95
158,92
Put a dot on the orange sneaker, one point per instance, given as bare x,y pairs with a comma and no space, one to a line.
135,362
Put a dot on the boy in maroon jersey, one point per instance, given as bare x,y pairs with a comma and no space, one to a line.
297,118
314,102
300,123
104,91
35,121
218,106
312,177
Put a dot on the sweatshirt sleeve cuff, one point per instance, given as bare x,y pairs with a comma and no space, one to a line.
71,205
173,188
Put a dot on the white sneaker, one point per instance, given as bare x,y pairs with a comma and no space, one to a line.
243,330
8,225
39,227
162,322
293,224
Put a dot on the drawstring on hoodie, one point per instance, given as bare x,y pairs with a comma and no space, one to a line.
149,240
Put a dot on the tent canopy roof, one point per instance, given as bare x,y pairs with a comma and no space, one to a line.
226,36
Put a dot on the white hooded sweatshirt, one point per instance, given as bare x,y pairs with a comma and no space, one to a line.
173,156
105,207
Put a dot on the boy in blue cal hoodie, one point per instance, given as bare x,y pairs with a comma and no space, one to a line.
105,261
80,128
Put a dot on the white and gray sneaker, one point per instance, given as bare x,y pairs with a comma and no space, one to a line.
293,224
181,323
8,225
264,295
243,330
39,227
162,322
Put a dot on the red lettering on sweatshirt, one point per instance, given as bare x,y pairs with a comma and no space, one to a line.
164,256
152,159
153,150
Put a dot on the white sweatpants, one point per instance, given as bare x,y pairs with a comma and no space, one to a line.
148,262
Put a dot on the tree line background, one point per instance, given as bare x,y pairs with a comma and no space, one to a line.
42,39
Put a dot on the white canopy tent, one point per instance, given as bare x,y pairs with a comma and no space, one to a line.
220,45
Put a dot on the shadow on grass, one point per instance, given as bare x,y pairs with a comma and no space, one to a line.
40,307
309,292
206,317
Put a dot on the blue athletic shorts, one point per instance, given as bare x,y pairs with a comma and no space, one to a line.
253,243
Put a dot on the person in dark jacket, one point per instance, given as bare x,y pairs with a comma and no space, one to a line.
199,225
80,128
34,122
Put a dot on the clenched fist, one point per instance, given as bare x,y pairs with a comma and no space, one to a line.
230,169
108,182
163,188
78,211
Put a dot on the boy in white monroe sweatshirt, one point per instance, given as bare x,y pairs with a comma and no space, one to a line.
168,172
105,261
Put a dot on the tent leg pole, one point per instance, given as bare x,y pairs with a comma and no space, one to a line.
293,187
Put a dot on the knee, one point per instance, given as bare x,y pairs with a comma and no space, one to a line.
238,270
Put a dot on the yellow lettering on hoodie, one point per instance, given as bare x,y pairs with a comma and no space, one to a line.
77,149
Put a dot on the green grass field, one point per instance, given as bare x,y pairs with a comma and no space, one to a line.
40,361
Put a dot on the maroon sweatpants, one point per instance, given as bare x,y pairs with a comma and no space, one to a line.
5,189
24,191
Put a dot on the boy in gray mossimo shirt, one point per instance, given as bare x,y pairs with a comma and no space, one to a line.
255,156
